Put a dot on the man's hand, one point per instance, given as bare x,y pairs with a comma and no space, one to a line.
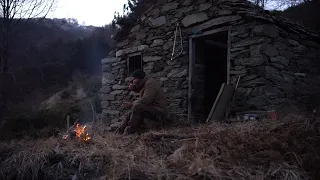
126,105
133,87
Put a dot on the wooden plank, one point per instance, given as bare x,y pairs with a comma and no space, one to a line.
215,103
205,33
215,22
134,54
228,55
221,104
190,84
233,97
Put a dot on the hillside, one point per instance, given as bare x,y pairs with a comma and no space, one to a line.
42,31
46,54
306,13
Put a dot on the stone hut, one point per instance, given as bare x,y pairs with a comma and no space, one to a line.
193,46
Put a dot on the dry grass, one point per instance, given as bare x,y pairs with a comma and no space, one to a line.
287,149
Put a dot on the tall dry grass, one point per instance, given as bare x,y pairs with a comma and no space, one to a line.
288,149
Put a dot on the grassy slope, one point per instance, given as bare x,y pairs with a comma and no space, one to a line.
287,149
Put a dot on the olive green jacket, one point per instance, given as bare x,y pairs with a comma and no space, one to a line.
152,94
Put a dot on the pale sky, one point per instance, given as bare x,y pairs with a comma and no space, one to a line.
91,12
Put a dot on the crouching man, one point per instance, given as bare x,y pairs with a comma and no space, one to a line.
151,103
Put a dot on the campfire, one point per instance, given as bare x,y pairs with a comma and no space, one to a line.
79,132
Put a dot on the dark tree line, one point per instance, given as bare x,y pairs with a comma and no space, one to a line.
54,63
45,57
37,53
88,52
13,12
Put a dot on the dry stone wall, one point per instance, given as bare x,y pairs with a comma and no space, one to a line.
272,64
269,59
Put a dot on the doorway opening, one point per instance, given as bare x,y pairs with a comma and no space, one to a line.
210,71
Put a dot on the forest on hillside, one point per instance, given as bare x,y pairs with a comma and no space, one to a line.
47,55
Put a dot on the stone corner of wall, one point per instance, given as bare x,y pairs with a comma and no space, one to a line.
108,60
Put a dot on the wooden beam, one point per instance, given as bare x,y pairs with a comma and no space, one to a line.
190,83
205,33
219,44
214,22
215,103
221,103
228,55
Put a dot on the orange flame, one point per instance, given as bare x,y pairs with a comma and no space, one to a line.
80,133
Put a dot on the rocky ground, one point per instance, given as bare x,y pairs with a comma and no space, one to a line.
285,149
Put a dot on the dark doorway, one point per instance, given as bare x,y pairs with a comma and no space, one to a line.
210,71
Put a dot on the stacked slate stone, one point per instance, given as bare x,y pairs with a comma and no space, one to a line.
271,54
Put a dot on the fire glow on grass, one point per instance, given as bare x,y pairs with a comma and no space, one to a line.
80,132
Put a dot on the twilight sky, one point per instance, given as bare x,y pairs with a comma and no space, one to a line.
96,13
93,12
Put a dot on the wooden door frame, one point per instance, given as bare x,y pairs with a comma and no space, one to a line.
192,61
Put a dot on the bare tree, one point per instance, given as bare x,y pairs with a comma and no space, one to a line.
13,12
260,3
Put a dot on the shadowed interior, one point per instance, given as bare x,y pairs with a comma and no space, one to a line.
210,70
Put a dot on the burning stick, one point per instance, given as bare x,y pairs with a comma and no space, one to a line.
66,135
